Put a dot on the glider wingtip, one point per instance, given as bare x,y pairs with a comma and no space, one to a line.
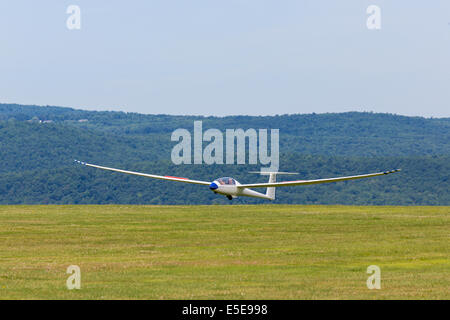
392,171
80,162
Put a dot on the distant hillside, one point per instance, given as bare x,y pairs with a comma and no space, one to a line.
337,134
38,145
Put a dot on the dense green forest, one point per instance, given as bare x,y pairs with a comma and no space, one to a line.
38,145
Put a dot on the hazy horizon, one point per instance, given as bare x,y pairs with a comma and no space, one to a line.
223,116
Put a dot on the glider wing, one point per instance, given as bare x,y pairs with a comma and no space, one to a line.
170,178
305,182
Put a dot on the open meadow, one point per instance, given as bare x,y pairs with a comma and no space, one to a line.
224,252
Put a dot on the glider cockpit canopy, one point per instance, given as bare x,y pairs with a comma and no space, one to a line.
226,181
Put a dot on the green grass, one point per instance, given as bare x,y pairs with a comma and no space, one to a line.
224,252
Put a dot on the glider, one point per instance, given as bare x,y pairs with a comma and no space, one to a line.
231,188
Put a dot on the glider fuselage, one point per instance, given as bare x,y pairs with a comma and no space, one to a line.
231,188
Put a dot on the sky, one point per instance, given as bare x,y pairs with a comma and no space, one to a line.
210,57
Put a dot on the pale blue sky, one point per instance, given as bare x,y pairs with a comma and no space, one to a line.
212,57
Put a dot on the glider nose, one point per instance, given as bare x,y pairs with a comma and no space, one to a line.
213,186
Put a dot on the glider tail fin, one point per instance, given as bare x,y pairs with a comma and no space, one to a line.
270,192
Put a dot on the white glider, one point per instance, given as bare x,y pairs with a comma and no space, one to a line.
231,188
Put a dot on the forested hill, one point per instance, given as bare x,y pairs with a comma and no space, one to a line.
38,145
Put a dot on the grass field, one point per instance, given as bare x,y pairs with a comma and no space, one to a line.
224,252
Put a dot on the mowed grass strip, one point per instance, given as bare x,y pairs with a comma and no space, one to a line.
224,252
